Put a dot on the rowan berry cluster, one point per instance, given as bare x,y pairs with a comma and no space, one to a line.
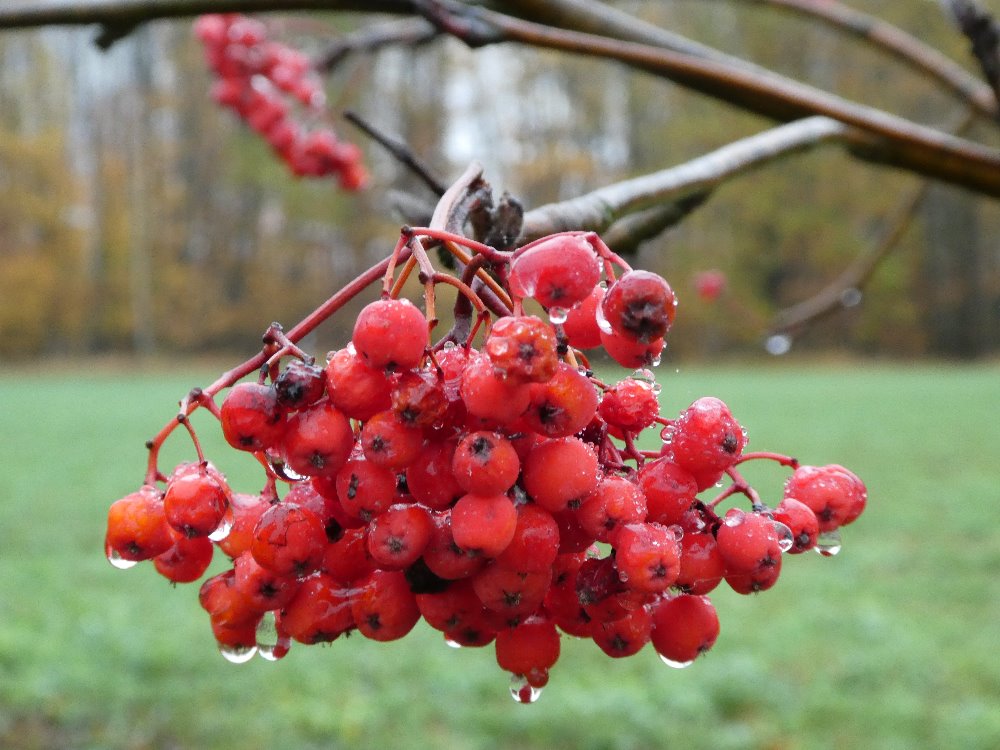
488,483
268,84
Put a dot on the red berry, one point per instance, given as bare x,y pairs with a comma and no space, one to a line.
431,480
444,557
488,395
706,438
629,353
318,440
640,306
631,405
137,527
196,500
748,542
669,490
186,561
615,501
358,390
562,406
625,636
532,644
802,522
835,494
535,543
559,471
262,588
647,555
483,524
581,327
246,510
702,567
684,627
289,540
399,535
558,271
389,442
300,384
391,334
512,593
383,606
523,348
320,612
485,464
365,489
251,418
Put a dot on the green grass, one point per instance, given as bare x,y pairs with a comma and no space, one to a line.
892,644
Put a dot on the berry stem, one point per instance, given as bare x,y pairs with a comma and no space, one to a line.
782,459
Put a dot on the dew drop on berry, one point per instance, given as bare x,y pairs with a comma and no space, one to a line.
828,543
223,529
602,321
237,654
786,539
271,645
452,643
522,691
655,361
778,344
675,664
558,315
120,562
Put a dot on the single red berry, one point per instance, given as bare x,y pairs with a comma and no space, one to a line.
483,524
383,606
196,500
754,581
300,384
559,471
669,490
647,555
251,417
365,489
391,334
562,406
511,593
246,510
801,521
710,284
137,527
347,560
264,589
399,535
706,437
186,561
631,405
318,440
615,501
489,396
748,542
523,348
684,627
289,540
390,442
535,543
640,306
630,353
835,494
625,636
485,464
319,612
558,271
431,480
532,644
702,567
357,389
419,398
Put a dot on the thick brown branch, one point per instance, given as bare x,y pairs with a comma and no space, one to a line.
898,43
598,210
891,140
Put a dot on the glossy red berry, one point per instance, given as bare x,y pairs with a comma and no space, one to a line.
485,464
532,644
559,471
835,494
300,384
562,406
483,524
639,306
391,334
383,606
196,500
581,327
748,541
398,536
319,612
289,540
669,490
647,555
801,521
614,502
252,419
523,348
706,437
631,405
558,271
317,440
624,636
186,561
355,388
388,441
684,627
137,527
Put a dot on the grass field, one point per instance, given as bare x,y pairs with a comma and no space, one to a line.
892,644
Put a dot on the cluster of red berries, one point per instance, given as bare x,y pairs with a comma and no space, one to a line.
493,487
265,82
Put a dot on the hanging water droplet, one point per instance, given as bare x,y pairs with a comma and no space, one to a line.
237,654
602,322
271,645
452,643
120,562
675,664
677,531
655,360
778,344
522,691
224,527
644,376
558,315
449,345
851,297
733,518
786,540
828,543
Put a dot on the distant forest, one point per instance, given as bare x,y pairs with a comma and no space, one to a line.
138,216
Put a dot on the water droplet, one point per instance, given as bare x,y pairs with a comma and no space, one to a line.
120,562
733,518
271,645
677,531
675,664
223,529
558,315
452,643
449,345
623,576
655,360
828,543
778,344
602,322
522,691
851,297
786,540
237,654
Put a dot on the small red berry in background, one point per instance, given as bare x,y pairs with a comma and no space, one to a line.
710,284
489,482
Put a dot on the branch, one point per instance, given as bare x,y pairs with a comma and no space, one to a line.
885,138
680,185
410,32
399,151
838,293
898,43
984,33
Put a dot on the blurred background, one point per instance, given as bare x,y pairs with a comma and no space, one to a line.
147,239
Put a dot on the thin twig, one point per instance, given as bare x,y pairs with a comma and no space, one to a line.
983,31
400,151
408,32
